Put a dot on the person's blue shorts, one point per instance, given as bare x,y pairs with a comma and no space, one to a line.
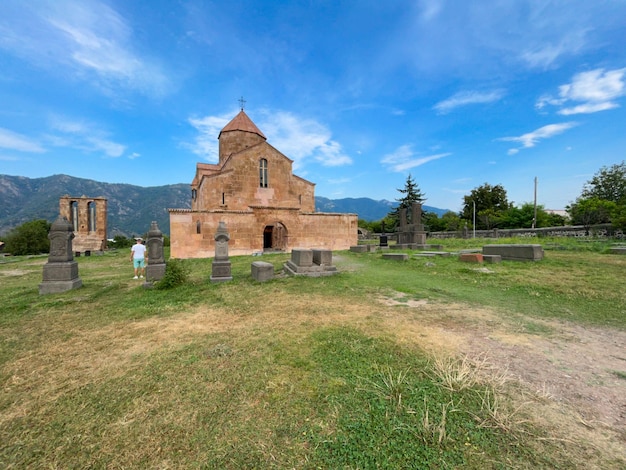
139,263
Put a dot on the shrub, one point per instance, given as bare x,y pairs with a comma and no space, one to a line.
120,241
30,238
176,274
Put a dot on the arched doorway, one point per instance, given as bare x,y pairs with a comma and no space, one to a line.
275,237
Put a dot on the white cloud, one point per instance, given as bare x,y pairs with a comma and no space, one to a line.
14,141
84,136
465,98
532,138
543,55
588,108
299,139
89,38
595,90
404,158
205,144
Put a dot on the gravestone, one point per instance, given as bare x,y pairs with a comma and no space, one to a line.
60,273
413,235
262,271
220,268
396,256
515,252
312,263
471,258
156,263
383,240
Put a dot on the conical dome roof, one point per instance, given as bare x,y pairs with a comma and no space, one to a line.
242,122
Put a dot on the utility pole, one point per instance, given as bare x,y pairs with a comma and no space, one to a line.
474,220
535,211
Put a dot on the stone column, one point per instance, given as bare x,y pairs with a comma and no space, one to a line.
60,273
156,263
220,268
403,219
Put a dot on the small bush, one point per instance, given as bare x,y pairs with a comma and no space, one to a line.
176,274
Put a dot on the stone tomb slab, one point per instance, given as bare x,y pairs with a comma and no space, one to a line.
515,252
322,257
262,271
312,263
437,253
302,257
471,258
618,250
396,256
358,248
493,259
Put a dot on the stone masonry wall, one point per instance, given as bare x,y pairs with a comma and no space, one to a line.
304,230
237,187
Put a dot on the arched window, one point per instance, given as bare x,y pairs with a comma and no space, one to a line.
74,215
198,227
91,211
263,173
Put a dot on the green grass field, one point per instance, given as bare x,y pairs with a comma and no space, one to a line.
332,373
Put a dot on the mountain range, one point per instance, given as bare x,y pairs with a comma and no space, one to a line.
131,209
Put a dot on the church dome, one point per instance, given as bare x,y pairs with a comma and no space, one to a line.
243,123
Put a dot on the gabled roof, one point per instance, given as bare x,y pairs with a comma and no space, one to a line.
242,122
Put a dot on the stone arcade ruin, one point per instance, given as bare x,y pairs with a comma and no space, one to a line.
88,219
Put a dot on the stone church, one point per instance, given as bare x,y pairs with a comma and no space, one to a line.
264,205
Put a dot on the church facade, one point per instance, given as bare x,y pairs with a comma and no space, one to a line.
264,206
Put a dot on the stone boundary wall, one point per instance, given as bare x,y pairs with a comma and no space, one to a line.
596,231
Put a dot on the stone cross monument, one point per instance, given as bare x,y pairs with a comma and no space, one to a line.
60,273
220,269
156,263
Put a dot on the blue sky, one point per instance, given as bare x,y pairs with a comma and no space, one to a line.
359,94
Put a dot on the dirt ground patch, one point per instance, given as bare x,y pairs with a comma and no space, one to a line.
579,371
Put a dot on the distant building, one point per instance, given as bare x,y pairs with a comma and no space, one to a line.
264,205
561,212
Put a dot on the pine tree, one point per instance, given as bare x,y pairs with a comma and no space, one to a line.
410,193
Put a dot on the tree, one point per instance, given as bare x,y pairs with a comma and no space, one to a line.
411,193
608,184
522,217
433,223
452,221
592,211
490,201
30,238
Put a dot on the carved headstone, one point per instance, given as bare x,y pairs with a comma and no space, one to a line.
60,273
220,268
156,263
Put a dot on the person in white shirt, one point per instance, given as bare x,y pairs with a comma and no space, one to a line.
138,257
